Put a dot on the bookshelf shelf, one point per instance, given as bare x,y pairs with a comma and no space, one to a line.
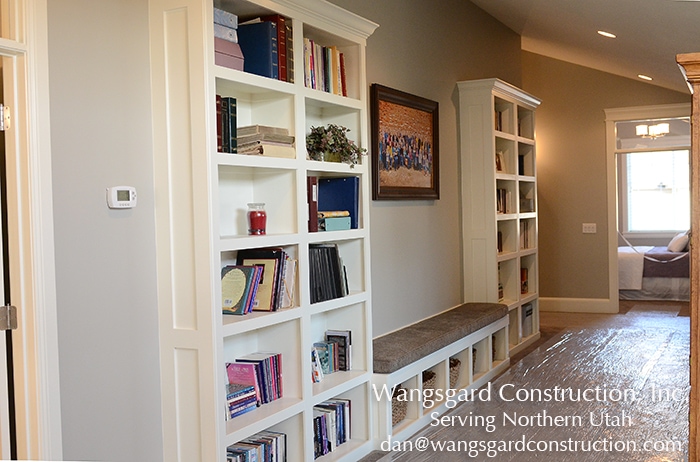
203,227
500,232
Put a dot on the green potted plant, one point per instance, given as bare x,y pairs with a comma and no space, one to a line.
330,143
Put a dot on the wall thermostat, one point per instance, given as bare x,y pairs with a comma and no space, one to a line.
121,197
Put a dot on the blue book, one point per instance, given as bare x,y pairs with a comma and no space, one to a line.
335,194
258,42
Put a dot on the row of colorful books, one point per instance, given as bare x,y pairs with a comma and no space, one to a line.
327,275
261,280
260,371
324,68
265,446
332,355
331,425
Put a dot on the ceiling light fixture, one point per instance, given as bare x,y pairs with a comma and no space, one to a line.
652,131
644,77
607,34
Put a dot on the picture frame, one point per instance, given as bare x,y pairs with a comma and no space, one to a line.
405,145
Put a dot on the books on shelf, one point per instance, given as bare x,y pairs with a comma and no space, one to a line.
500,162
258,41
343,339
239,287
264,140
243,375
268,374
324,68
327,275
240,399
523,281
525,235
268,446
503,200
332,425
277,287
331,355
226,130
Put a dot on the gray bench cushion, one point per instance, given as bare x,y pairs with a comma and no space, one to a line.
395,350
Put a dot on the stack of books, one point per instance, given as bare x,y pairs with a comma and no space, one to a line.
332,355
266,446
260,371
227,51
331,425
265,140
240,398
324,68
327,275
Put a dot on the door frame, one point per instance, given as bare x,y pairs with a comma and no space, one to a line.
30,230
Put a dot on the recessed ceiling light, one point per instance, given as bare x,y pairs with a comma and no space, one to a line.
644,77
607,34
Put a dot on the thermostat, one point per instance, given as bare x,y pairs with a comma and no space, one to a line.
121,197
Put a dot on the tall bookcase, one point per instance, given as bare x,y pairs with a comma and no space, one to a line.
499,202
201,201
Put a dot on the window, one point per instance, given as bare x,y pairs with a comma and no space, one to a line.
653,166
655,191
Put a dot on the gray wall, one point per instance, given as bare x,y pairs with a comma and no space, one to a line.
105,259
424,48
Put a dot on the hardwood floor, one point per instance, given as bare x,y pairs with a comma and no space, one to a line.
644,348
671,314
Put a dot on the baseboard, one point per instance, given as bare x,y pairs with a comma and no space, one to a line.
579,305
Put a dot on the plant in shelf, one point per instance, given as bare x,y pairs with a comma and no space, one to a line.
330,143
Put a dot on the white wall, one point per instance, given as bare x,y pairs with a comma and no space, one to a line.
105,259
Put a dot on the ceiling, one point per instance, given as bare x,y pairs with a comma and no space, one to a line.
650,33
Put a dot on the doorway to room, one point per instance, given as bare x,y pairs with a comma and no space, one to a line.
648,201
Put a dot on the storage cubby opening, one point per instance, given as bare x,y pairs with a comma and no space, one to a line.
526,123
528,275
239,186
336,192
432,379
526,196
526,160
259,105
506,237
513,328
528,234
322,113
481,357
505,156
350,318
505,196
509,281
503,116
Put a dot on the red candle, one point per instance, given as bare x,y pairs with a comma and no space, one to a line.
257,218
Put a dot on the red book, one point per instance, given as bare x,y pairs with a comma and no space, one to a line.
312,199
281,44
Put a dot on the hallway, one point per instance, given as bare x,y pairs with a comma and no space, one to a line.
596,387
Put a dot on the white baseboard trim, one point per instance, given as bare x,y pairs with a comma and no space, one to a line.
579,305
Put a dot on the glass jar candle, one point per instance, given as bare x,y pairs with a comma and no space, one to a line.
257,218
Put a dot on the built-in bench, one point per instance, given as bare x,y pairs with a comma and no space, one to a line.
474,335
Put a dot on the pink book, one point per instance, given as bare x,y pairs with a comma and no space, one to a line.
244,373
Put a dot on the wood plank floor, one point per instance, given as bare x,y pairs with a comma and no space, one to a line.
633,366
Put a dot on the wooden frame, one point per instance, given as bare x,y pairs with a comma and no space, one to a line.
690,66
399,118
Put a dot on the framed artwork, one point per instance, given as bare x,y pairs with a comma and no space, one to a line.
405,148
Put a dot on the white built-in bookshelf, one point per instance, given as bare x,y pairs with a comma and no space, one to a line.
499,202
202,197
